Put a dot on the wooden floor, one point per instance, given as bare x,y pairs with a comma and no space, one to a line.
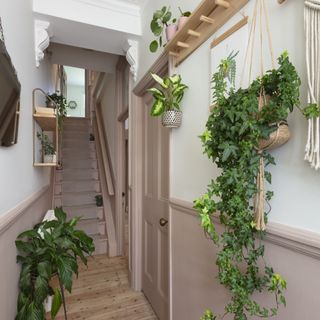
102,292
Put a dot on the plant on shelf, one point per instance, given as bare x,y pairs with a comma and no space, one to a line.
167,99
47,252
311,111
62,106
234,130
47,147
183,18
99,200
162,21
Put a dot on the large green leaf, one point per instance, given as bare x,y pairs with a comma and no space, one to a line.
56,303
154,46
41,289
157,14
60,214
157,94
155,28
35,312
157,108
159,80
29,233
44,269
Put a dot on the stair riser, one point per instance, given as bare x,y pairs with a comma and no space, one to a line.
92,227
76,150
74,175
75,127
76,135
101,247
85,213
80,186
77,199
77,144
79,164
81,155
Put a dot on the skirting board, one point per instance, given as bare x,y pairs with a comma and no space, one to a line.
10,217
298,240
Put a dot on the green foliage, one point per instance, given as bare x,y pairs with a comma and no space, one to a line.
208,315
61,103
50,248
169,96
311,111
47,146
231,140
160,20
99,200
184,13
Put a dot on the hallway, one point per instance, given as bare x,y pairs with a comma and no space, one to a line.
102,292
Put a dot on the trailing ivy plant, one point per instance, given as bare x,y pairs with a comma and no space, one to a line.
62,106
231,139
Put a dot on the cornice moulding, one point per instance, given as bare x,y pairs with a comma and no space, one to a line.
114,5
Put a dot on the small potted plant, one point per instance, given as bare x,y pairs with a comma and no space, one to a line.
61,103
99,200
48,150
162,21
167,100
49,255
183,18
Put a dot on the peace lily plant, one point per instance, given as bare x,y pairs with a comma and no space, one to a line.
231,140
50,250
167,99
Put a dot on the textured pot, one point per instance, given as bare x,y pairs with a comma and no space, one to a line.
171,31
172,119
182,22
48,158
51,105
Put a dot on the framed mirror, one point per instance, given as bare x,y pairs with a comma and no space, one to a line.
10,89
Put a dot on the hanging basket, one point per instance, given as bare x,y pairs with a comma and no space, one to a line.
172,119
277,138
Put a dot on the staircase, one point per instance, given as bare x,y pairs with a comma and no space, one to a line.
77,184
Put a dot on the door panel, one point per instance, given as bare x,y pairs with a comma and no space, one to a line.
155,207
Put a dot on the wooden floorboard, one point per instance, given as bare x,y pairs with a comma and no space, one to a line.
102,292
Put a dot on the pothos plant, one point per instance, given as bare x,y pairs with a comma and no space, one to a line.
231,139
61,103
161,19
51,249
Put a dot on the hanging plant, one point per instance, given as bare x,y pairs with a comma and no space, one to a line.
235,128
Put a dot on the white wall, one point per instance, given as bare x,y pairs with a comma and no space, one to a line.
109,112
18,178
295,184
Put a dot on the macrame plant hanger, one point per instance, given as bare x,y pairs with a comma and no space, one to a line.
312,30
259,8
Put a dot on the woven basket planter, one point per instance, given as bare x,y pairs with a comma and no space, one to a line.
172,119
276,138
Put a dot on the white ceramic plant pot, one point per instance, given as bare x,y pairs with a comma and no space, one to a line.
182,22
172,119
171,31
48,158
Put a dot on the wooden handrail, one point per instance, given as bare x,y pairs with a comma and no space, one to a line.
105,158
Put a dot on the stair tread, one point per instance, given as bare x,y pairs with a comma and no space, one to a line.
98,236
84,206
80,192
76,181
87,220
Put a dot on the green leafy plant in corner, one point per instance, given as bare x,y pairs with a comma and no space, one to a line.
61,103
47,146
51,249
168,96
99,200
160,20
231,139
311,111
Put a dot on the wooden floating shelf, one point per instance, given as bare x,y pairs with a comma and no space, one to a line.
41,164
204,21
46,122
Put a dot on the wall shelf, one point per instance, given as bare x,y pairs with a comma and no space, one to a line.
44,120
204,21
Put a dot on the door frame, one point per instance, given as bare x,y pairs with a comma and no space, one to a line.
163,66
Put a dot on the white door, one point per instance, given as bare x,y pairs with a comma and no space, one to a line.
155,269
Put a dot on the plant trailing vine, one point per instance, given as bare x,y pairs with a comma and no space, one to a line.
234,129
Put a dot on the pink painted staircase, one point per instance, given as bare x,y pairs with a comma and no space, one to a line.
78,183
